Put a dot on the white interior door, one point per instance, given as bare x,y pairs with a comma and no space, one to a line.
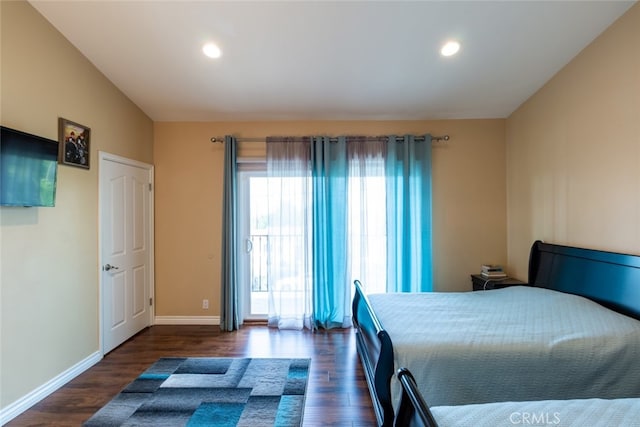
126,248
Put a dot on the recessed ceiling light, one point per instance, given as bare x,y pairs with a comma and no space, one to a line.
211,50
450,48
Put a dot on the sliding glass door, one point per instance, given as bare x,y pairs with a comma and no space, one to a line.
253,214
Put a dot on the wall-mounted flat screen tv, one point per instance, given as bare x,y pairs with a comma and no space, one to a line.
28,169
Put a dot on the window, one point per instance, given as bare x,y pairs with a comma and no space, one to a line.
368,232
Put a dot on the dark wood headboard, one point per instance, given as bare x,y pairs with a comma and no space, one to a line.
609,278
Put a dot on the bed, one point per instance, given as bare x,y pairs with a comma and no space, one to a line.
572,333
593,412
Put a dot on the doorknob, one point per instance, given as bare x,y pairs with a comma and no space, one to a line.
108,267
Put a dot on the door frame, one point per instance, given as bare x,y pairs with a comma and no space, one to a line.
250,168
108,157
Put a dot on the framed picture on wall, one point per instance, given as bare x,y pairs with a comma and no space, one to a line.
74,143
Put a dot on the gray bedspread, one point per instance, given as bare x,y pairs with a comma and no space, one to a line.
558,413
514,344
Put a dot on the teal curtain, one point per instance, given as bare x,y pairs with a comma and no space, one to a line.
331,292
409,236
230,318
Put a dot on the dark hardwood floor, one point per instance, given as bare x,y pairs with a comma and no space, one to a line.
337,392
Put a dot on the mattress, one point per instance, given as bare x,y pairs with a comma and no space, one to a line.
515,344
558,413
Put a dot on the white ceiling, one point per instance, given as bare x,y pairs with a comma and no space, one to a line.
318,60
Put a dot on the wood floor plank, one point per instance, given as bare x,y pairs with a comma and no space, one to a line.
337,393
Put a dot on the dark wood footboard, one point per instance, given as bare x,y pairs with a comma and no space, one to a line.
376,353
413,409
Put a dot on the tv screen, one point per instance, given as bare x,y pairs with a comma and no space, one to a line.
28,169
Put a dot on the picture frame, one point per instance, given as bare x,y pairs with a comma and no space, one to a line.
74,143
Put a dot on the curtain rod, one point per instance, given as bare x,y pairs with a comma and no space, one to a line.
219,140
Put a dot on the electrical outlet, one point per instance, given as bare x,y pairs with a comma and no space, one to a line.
205,304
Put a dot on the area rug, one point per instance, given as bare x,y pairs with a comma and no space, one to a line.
217,392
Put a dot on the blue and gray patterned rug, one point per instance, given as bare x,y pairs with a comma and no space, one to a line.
217,392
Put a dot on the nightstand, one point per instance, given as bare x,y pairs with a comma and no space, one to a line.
482,284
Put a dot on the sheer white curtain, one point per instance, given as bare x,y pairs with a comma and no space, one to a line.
289,231
367,220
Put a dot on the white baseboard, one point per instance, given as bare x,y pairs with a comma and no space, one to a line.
19,406
187,320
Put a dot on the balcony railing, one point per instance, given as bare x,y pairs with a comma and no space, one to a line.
286,270
257,248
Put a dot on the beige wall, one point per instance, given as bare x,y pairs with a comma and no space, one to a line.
468,198
49,256
573,152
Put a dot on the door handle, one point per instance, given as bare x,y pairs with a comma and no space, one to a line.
108,267
249,245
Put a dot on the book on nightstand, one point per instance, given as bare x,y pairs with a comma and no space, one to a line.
492,271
